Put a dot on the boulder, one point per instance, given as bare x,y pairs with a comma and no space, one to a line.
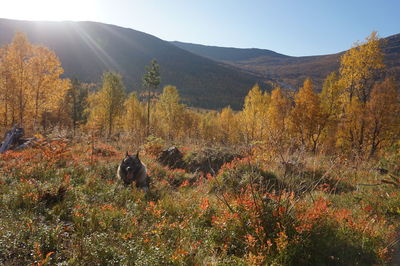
171,157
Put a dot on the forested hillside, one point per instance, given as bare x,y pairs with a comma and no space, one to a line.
87,49
290,70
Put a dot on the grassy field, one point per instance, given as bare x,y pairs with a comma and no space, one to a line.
62,204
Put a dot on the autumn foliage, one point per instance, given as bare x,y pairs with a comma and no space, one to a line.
30,84
306,177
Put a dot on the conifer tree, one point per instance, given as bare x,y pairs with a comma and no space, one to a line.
151,81
76,101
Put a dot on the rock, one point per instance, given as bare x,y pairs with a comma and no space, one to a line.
171,157
209,160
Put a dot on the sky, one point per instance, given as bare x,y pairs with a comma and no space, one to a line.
291,27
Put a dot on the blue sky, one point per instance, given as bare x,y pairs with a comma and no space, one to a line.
307,27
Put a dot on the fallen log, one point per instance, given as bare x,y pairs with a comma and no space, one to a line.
26,144
12,138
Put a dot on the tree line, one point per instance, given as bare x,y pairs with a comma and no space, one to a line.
357,110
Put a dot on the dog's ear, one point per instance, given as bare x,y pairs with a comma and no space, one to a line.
137,154
126,154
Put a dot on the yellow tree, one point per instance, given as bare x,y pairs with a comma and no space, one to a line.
18,59
227,123
207,127
106,105
331,108
278,118
190,122
383,111
135,116
254,114
169,112
47,89
307,119
5,92
359,69
31,84
330,96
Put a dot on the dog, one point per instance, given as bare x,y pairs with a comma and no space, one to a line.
132,169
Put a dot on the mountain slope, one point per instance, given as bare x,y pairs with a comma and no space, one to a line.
228,54
289,70
87,49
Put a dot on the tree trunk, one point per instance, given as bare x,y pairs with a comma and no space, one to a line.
110,125
148,114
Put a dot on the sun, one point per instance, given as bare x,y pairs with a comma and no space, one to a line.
54,10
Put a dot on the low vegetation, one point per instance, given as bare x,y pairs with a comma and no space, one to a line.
294,178
61,203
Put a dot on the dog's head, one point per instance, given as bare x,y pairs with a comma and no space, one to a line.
131,165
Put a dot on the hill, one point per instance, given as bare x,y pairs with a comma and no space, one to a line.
289,70
87,49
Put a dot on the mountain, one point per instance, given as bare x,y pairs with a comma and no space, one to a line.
206,76
228,54
87,49
289,70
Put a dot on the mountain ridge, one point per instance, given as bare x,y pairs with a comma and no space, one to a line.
87,49
206,76
291,70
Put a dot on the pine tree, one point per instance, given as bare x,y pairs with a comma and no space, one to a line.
151,81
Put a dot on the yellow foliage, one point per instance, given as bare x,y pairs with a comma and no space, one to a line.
135,117
307,117
254,114
383,121
169,110
228,126
30,83
360,67
107,105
